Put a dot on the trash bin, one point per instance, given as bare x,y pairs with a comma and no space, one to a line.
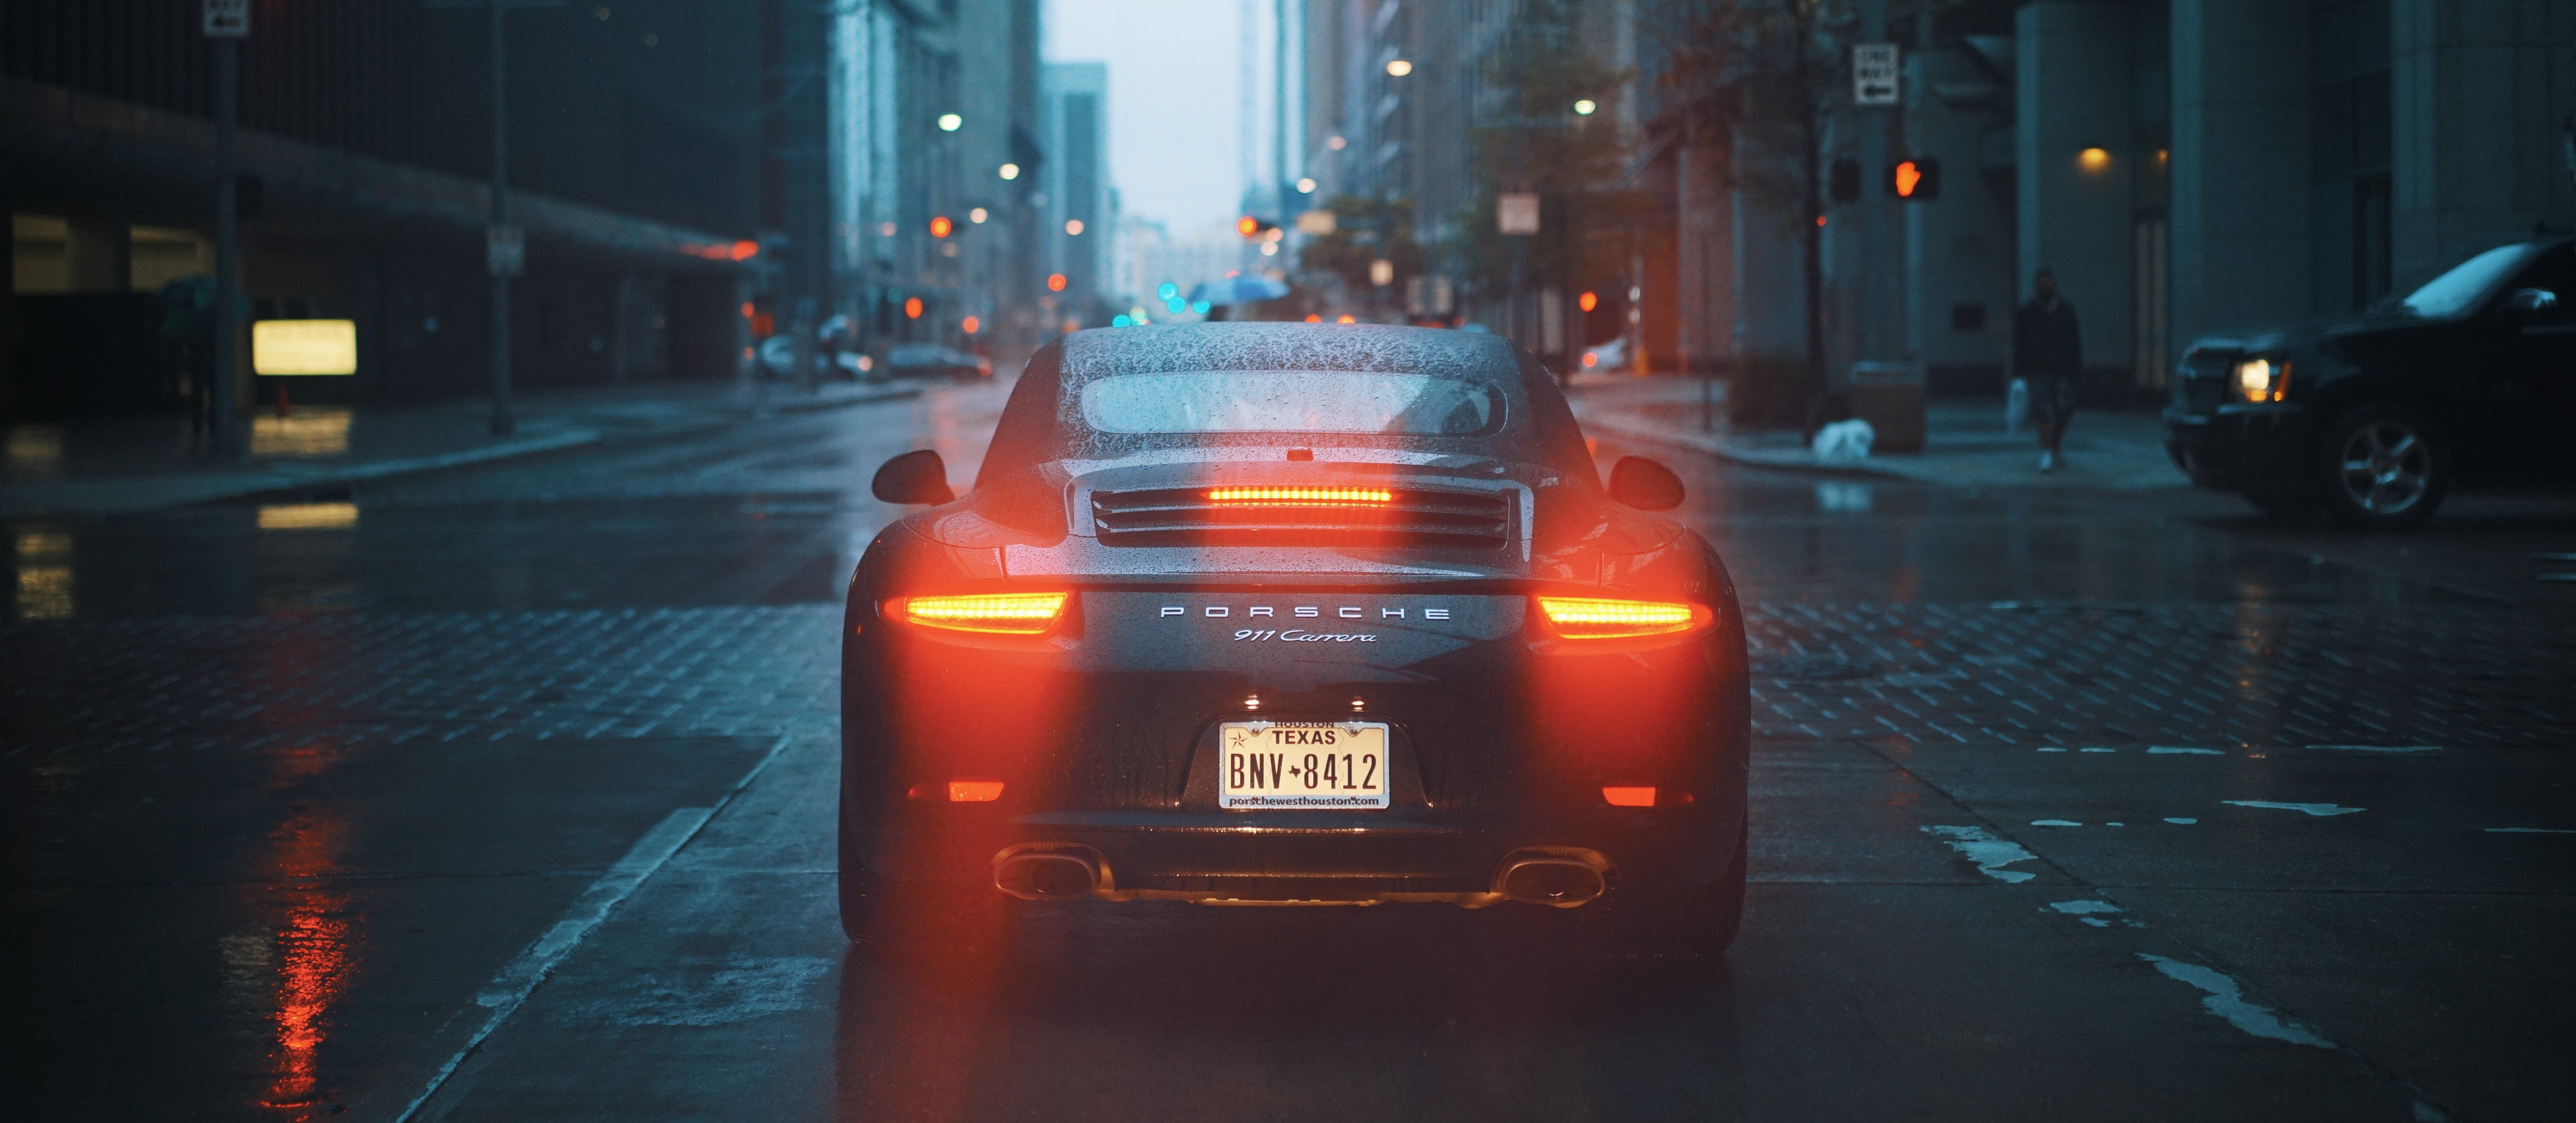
1889,395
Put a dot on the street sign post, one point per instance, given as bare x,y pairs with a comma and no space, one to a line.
227,22
1874,74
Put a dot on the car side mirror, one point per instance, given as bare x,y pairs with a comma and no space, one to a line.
919,476
2524,302
1644,484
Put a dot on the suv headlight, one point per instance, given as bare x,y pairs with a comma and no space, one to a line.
2263,380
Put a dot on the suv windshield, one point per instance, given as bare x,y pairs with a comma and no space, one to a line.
2454,293
1269,401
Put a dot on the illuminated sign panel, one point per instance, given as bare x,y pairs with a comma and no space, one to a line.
284,347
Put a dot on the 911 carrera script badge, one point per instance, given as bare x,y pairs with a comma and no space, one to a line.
1301,635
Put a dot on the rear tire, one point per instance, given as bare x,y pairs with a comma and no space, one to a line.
2383,467
928,918
1691,921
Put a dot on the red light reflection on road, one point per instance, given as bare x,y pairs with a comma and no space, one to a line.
314,943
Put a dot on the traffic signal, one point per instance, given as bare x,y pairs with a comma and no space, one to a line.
1251,227
1844,183
1916,180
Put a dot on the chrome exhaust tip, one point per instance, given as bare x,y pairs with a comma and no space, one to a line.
1047,873
1557,878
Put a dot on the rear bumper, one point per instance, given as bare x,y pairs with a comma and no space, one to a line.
2244,449
1309,856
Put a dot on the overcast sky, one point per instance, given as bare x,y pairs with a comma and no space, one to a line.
1172,148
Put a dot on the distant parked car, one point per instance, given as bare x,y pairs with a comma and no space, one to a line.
2373,418
930,360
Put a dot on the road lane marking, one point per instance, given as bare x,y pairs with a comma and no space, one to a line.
2175,750
517,979
2526,830
2082,910
2182,822
2379,748
1991,854
2226,998
2317,809
2055,823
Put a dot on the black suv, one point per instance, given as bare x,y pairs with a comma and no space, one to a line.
2469,380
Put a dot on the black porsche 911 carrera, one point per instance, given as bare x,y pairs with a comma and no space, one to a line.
1287,613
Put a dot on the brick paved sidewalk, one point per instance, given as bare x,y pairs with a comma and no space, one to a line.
141,463
1965,446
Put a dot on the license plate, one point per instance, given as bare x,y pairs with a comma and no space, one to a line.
1301,765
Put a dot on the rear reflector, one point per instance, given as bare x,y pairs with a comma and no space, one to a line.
1302,496
1590,618
1616,797
1017,614
986,791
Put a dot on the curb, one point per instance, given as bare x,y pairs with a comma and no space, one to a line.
181,489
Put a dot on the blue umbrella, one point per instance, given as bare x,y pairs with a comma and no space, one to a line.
1248,288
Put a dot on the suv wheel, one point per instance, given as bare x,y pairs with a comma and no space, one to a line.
2386,468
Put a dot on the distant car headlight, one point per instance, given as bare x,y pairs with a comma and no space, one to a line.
2263,380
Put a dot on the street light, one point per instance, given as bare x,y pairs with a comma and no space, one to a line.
1585,107
1398,68
1010,171
950,122
1306,186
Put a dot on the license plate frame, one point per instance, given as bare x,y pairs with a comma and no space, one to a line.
1291,765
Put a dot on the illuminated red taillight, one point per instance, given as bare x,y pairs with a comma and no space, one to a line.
1012,614
986,791
1615,797
1302,496
1593,618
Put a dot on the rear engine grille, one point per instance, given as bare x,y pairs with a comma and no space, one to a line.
1299,516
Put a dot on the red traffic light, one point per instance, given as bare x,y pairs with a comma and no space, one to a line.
1247,226
940,226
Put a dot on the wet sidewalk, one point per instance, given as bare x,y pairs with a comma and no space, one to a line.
1966,444
141,463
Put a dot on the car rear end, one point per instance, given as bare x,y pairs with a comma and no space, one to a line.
1274,673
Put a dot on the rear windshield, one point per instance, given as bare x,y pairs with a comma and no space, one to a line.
1280,401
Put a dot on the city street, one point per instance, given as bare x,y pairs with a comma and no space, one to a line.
507,792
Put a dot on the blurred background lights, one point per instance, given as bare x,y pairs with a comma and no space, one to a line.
978,215
1010,171
1585,107
1398,67
2093,159
1306,186
950,122
1073,226
1167,290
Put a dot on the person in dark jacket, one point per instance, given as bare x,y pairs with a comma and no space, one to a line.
2048,352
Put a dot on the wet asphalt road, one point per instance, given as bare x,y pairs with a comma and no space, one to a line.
507,794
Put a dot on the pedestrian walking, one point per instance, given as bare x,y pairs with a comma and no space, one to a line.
2048,353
